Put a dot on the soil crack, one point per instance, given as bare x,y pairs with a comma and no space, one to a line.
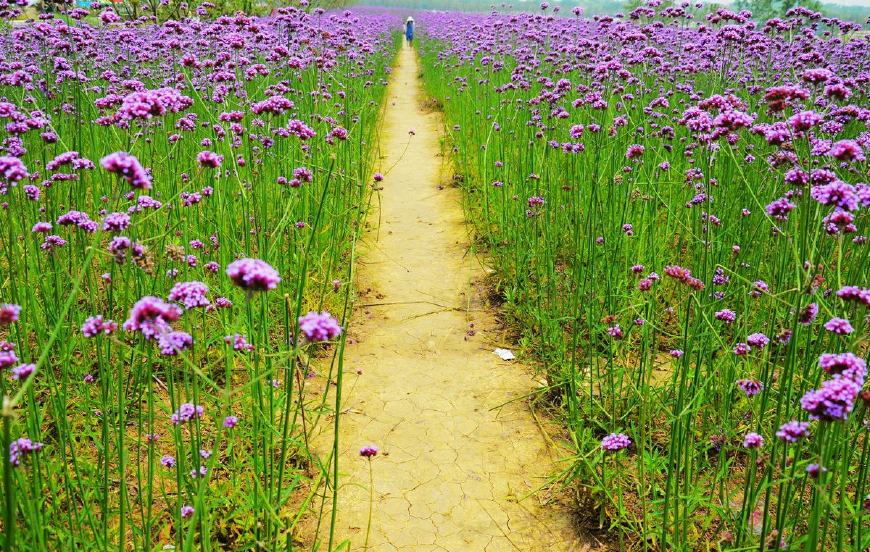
452,465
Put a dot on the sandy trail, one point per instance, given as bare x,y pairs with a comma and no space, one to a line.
450,467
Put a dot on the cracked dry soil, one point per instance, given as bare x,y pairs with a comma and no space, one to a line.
450,468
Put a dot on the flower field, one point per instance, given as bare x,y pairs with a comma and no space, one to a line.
676,208
181,202
674,202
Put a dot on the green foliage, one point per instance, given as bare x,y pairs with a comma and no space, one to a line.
767,9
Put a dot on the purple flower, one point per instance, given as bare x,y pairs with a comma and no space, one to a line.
95,325
750,387
845,365
615,442
209,159
805,120
190,294
23,371
839,326
847,150
741,349
368,451
726,316
634,151
253,275
20,447
173,342
51,242
187,511
758,340
239,342
62,159
793,431
128,168
837,194
168,461
9,313
808,314
187,412
833,401
146,104
753,441
780,208
116,222
854,293
32,192
319,327
758,288
151,316
230,422
7,354
815,470
12,170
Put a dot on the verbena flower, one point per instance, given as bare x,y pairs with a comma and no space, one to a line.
23,371
95,325
151,316
839,326
253,275
187,412
758,340
368,451
127,167
190,294
319,326
808,314
753,440
9,313
750,387
793,431
172,342
833,401
615,442
239,342
845,365
21,447
209,159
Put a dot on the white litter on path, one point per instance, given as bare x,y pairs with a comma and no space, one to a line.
504,354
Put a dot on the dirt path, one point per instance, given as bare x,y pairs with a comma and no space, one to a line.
450,467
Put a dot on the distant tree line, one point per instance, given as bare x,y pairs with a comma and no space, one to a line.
761,9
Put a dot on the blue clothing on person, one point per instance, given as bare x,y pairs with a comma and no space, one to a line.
409,30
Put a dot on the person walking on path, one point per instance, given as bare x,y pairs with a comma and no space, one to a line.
409,31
